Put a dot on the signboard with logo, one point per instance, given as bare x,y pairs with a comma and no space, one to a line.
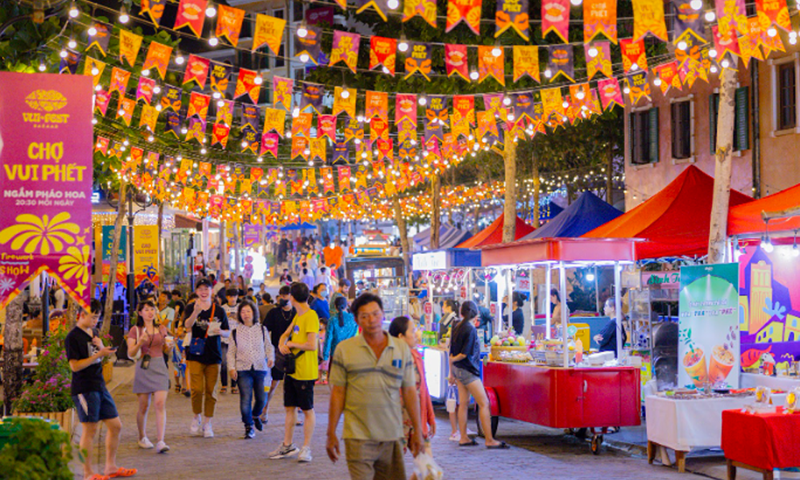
145,253
671,280
105,240
46,181
428,308
430,260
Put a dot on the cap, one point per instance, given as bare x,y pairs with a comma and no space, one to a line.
203,283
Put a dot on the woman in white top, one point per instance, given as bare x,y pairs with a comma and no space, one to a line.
250,356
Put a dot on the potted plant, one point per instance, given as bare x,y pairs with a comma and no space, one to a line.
48,394
34,450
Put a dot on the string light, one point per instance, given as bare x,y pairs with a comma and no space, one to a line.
213,41
403,44
123,15
72,43
696,4
211,11
74,11
179,60
592,51
710,16
92,31
302,30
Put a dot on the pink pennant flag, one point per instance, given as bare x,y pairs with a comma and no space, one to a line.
455,58
269,143
610,92
555,18
405,108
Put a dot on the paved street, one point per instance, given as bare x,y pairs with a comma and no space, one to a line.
536,452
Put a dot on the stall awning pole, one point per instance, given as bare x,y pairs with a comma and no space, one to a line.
469,284
510,304
547,311
618,305
532,292
430,300
562,286
487,291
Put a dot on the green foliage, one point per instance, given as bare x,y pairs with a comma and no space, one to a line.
50,389
22,44
36,452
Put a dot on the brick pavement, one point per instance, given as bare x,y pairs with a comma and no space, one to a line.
536,452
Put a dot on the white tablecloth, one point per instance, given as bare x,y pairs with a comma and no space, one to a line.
752,380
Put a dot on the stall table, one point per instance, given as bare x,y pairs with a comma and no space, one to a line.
752,380
760,442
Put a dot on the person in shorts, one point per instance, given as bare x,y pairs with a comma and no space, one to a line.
277,321
85,353
300,339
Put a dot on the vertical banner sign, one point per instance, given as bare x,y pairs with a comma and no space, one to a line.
106,238
145,253
708,338
46,152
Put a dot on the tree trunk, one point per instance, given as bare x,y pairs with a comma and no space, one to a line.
475,215
722,168
112,274
72,312
436,211
160,225
400,220
536,190
510,207
12,353
610,175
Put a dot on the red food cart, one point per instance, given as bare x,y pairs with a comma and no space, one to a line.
565,397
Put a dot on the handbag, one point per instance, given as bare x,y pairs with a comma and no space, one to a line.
198,345
287,363
139,352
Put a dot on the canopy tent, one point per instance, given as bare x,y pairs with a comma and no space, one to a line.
449,236
746,218
298,226
675,221
494,234
583,215
546,212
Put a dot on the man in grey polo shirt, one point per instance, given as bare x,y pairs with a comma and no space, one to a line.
369,373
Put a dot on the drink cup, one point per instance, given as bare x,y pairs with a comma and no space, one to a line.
721,363
695,365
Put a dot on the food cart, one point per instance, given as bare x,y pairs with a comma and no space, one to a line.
564,395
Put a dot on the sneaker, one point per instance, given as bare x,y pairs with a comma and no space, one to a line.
305,455
284,451
145,443
249,432
455,437
470,433
195,428
258,424
162,447
208,432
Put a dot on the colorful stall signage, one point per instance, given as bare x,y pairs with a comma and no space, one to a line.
145,253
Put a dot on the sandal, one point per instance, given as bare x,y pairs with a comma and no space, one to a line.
500,446
223,390
97,476
471,443
234,390
123,472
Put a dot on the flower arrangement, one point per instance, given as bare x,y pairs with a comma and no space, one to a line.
50,388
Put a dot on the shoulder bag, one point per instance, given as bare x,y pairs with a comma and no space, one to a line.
198,345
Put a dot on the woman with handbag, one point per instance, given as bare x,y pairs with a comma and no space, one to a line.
147,342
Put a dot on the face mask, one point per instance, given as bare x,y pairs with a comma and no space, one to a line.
283,302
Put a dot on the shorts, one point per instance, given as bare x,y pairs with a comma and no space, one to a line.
277,374
95,406
464,376
298,393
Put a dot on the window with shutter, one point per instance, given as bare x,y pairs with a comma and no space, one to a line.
653,136
713,108
681,129
644,136
741,120
787,97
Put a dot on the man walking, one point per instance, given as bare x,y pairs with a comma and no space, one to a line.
300,340
277,321
368,374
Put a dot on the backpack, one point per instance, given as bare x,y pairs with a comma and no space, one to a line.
263,335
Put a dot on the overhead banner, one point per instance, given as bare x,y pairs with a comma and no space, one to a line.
46,182
145,253
708,335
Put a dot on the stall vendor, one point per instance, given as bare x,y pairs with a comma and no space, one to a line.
607,338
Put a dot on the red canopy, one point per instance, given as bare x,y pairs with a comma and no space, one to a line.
746,218
674,221
494,234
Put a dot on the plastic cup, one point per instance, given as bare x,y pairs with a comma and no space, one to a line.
697,371
719,368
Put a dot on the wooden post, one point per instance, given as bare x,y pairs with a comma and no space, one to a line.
160,225
510,207
436,199
112,273
537,190
722,167
12,353
400,220
609,174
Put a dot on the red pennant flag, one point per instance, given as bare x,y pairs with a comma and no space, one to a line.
269,144
246,85
405,108
326,127
196,70
192,14
383,51
455,58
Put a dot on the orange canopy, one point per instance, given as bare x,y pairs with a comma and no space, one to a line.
494,234
674,221
746,218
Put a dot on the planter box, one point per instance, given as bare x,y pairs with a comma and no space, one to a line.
66,420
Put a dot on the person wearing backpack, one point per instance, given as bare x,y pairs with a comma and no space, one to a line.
250,356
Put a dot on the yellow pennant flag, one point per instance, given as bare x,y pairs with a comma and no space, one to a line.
275,119
648,17
129,45
342,104
526,62
269,31
93,65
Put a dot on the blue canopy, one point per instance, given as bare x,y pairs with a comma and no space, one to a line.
449,237
583,215
298,226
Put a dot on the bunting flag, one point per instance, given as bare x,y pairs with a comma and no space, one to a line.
345,49
491,66
405,108
725,43
145,89
198,105
600,16
309,45
467,10
667,73
418,59
378,128
318,147
102,145
406,149
732,15
648,17
70,62
377,104
219,134
275,119
326,127
126,106
327,180
229,23
312,96
436,111
250,115
301,125
171,98
748,47
560,62
526,62
196,70
173,124
687,22
512,14
486,125
192,14
493,103
406,132
344,178
463,110
770,44
555,18
101,38
282,92
639,87
633,55
383,51
773,12
341,154
379,6
101,101
268,31
154,9
455,59
269,144
129,45
157,58
552,102
385,149
92,64
246,85
361,178
225,112
424,8
119,81
220,75
601,61
299,147
692,51
251,141
344,104
523,107
116,149
354,130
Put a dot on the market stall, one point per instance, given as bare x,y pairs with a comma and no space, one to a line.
544,387
449,237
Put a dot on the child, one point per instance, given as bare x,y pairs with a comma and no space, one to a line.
93,402
323,365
